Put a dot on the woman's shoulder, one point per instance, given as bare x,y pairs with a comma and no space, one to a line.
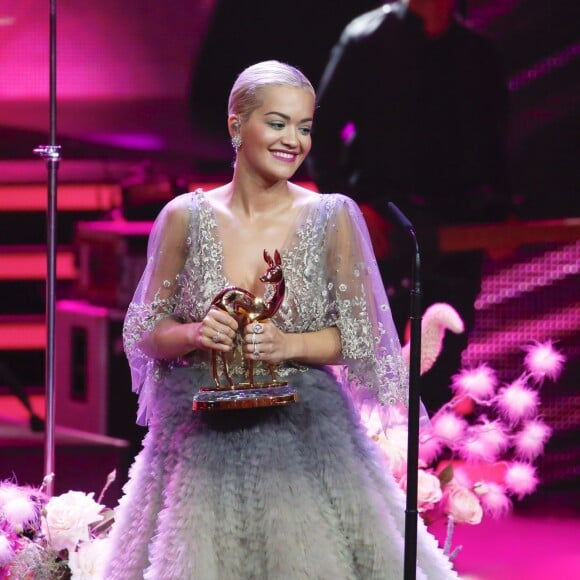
178,210
180,202
340,201
186,202
303,192
314,196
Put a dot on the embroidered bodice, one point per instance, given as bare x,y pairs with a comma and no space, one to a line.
331,280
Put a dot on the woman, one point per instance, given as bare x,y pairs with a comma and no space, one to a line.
288,492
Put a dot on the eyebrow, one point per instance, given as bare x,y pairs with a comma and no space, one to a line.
286,117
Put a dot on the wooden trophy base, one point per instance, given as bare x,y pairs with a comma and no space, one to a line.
245,396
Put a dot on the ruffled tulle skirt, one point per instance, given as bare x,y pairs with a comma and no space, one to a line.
284,493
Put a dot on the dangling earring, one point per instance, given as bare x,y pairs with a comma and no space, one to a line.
236,142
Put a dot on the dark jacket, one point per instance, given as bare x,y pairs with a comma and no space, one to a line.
430,118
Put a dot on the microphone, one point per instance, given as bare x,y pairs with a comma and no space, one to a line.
400,216
411,512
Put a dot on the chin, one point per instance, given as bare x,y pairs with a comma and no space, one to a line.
281,175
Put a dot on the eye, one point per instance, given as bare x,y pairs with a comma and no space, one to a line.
278,125
305,130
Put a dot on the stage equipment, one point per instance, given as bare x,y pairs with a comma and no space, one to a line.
252,310
93,387
145,192
111,256
51,154
410,557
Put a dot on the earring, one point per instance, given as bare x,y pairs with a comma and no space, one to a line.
236,142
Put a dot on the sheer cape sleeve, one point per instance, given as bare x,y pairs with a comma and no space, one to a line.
373,370
157,293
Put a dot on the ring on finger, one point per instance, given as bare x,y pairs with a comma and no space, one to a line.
257,328
217,337
256,352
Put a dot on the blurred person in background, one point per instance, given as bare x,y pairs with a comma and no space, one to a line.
413,109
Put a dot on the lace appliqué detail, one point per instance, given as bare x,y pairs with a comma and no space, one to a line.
372,364
328,283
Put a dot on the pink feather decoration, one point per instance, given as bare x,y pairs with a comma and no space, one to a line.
448,426
493,498
430,447
530,441
9,492
544,361
473,448
479,383
517,402
461,476
521,479
493,436
16,506
19,512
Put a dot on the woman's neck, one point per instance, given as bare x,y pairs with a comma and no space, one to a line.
255,196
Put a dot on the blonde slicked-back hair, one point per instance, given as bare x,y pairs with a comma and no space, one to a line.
245,94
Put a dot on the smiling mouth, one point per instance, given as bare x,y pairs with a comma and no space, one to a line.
284,156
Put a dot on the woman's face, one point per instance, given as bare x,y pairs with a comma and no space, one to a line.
276,137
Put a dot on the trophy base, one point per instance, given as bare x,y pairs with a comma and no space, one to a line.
245,396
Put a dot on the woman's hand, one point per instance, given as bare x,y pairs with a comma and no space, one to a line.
217,331
264,341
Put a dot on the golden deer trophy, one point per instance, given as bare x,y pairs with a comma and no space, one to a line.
247,308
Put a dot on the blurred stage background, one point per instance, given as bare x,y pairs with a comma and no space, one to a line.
142,91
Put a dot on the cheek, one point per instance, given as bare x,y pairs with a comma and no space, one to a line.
255,136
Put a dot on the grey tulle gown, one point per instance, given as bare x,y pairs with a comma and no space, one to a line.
283,493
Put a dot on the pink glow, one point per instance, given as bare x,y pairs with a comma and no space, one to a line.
348,132
105,50
137,141
121,227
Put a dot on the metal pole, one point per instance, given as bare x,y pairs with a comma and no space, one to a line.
51,153
411,513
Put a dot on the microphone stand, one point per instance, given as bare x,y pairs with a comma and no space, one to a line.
410,559
51,153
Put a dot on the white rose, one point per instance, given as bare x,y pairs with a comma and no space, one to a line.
463,505
88,562
394,446
428,490
68,517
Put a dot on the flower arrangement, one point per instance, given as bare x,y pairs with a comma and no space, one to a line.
478,452
61,537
